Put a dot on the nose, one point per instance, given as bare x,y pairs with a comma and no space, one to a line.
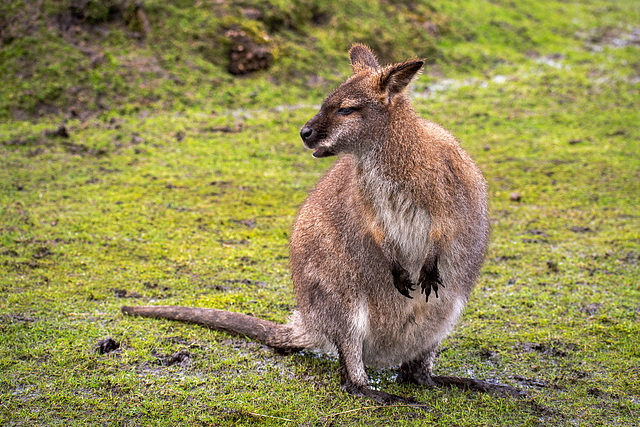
306,132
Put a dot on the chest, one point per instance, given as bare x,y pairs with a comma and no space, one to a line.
399,221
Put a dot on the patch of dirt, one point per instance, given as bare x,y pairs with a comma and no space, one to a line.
487,354
61,132
535,241
42,252
21,142
182,341
552,265
12,318
123,293
22,265
224,129
106,346
181,358
552,348
612,37
532,382
630,258
249,223
535,232
154,285
591,309
229,243
596,392
580,229
248,282
505,258
46,139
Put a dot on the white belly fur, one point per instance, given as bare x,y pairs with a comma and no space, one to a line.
428,323
405,225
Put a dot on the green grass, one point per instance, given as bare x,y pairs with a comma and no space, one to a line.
168,194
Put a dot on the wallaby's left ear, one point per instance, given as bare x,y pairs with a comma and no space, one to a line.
397,77
362,58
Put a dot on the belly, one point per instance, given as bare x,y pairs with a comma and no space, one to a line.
416,330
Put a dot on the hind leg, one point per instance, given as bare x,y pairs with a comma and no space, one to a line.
354,380
420,372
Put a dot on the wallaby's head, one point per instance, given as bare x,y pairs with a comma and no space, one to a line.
359,111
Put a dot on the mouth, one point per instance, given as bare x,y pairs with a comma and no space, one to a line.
322,152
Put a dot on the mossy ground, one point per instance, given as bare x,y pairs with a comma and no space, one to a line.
186,195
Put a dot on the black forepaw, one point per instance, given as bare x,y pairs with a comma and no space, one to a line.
430,279
402,279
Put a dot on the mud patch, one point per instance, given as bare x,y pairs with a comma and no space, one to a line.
42,252
506,258
591,309
630,258
106,346
123,293
247,282
536,232
531,382
181,358
580,229
552,348
609,36
13,318
61,132
183,341
224,129
535,241
249,223
552,266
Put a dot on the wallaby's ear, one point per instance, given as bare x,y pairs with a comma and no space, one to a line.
362,58
396,78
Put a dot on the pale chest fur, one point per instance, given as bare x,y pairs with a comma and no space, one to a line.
397,221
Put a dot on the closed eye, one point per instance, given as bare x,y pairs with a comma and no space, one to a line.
345,111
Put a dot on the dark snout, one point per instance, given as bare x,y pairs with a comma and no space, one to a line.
312,138
309,133
306,133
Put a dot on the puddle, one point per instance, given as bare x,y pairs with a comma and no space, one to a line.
599,38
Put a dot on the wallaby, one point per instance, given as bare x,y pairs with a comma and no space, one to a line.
404,206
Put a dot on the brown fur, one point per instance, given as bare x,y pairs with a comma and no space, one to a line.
403,206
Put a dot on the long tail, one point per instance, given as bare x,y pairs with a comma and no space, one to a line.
282,338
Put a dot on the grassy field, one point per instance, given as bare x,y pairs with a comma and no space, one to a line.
173,182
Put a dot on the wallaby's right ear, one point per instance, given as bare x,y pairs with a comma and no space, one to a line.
395,78
362,58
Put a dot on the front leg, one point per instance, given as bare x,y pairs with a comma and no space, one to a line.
402,279
429,275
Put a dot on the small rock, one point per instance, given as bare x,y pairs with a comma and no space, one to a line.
515,197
